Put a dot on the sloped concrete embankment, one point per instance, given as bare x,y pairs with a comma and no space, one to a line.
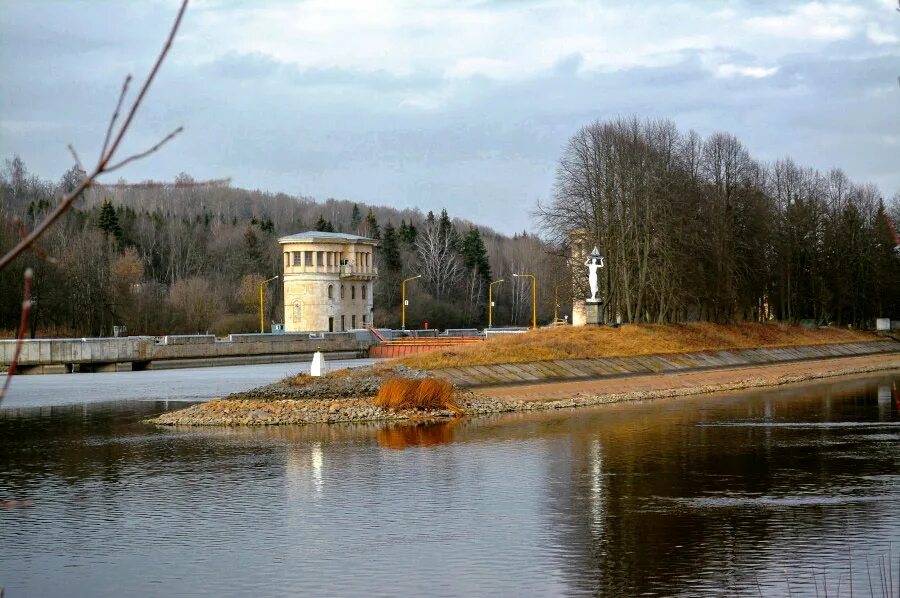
576,369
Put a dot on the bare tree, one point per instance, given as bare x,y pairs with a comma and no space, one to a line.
438,258
107,162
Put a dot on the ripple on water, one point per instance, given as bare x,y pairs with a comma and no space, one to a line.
644,500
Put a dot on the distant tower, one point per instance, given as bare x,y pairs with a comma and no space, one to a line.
328,281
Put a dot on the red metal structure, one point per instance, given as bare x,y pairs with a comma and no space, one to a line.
410,345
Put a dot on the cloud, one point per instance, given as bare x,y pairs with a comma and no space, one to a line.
464,104
813,21
754,72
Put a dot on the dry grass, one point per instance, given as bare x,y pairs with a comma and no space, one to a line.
303,379
633,339
398,394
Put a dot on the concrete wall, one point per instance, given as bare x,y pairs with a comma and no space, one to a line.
92,353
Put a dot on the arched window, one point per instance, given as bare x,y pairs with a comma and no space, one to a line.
342,291
353,291
364,288
331,291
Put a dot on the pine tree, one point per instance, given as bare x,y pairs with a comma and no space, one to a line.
323,225
390,250
108,221
447,230
355,219
407,234
474,254
372,225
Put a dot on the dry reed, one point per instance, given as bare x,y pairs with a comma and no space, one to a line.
398,394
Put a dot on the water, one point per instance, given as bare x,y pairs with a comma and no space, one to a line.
189,384
736,494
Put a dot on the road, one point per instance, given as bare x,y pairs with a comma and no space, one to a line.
190,384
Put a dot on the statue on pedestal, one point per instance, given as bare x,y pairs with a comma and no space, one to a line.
594,263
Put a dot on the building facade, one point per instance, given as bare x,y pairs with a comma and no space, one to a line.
328,281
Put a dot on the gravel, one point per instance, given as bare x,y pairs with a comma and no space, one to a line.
348,398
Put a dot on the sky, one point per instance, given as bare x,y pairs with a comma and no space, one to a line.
464,105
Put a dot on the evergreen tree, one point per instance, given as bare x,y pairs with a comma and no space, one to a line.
372,225
474,254
390,250
447,230
108,221
323,225
355,219
407,234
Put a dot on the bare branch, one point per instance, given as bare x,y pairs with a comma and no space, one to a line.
20,339
115,115
145,153
104,160
77,159
109,149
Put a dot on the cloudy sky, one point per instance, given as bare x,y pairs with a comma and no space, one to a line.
457,104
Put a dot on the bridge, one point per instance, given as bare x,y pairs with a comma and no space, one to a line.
109,354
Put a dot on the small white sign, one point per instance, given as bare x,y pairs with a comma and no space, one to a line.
883,324
406,302
493,304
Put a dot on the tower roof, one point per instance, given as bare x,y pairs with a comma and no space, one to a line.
315,236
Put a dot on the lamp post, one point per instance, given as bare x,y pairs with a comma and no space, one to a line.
533,297
262,322
491,302
403,297
555,305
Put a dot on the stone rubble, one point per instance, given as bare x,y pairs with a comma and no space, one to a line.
348,398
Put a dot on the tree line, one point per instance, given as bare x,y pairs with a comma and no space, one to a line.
188,257
696,228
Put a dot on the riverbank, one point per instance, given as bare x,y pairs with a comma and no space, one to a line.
631,340
288,403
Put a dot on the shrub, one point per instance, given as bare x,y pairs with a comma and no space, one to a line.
429,394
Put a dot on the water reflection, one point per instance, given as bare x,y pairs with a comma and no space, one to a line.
711,495
406,435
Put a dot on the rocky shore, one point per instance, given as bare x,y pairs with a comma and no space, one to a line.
348,397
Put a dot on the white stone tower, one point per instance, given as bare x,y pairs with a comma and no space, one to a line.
328,281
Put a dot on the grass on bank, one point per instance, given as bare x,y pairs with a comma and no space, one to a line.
629,340
399,394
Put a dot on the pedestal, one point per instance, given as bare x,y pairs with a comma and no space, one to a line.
593,311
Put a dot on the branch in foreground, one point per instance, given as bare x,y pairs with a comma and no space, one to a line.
109,150
20,339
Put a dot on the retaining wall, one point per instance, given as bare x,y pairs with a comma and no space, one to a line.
573,369
114,354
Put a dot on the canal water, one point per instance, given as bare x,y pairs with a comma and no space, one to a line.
766,493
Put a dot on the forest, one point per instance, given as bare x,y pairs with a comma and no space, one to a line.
188,257
694,228
691,229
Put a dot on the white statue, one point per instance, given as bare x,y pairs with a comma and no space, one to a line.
594,263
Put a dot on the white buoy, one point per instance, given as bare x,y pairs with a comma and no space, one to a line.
317,367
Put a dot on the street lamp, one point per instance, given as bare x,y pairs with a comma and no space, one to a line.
555,305
533,297
262,323
403,297
491,302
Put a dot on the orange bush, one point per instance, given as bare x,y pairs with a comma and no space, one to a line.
398,394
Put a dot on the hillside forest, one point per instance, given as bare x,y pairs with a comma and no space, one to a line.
183,257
